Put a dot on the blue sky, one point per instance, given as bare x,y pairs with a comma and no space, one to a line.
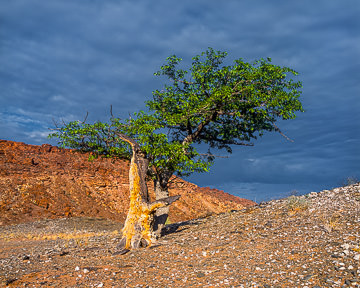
60,59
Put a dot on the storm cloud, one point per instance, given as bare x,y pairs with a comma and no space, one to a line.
60,59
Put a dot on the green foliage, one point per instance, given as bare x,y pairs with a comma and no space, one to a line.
209,103
224,105
166,156
99,138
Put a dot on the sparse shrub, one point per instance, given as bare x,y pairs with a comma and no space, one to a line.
296,204
332,223
350,181
294,193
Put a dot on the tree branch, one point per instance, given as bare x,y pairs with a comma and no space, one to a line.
217,156
87,114
165,201
277,129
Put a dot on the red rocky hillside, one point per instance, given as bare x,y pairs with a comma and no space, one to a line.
45,181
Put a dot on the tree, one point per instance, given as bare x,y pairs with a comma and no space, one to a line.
211,104
137,229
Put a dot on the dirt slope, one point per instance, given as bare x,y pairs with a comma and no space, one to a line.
38,182
308,241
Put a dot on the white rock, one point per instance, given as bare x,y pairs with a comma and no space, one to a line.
312,194
345,246
350,267
357,257
77,268
86,271
100,285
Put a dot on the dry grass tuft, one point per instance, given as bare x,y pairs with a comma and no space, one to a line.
75,235
295,204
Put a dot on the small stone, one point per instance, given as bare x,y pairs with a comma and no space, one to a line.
63,253
345,246
77,268
357,257
100,285
86,271
350,267
121,252
9,281
312,194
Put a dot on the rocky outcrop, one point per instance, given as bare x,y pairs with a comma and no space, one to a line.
49,182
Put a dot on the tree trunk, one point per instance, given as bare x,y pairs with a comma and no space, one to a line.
162,213
138,228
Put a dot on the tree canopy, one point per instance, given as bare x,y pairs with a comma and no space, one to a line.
209,103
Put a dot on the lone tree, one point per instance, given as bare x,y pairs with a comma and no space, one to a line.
211,104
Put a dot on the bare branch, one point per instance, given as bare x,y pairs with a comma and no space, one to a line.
87,114
111,112
184,81
164,201
277,129
217,156
56,125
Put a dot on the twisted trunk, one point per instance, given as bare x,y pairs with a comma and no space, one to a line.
162,213
138,228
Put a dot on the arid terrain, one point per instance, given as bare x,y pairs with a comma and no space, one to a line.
47,182
302,241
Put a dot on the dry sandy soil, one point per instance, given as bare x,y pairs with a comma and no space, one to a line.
302,241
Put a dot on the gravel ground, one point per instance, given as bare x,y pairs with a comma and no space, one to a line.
301,241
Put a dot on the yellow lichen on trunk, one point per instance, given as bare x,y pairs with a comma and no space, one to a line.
140,213
135,211
138,227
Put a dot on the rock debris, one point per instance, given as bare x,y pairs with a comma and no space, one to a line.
301,241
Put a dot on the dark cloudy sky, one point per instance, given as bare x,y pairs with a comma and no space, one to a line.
59,59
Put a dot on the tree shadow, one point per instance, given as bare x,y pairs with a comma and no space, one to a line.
178,227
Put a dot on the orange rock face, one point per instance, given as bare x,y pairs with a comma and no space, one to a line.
45,181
